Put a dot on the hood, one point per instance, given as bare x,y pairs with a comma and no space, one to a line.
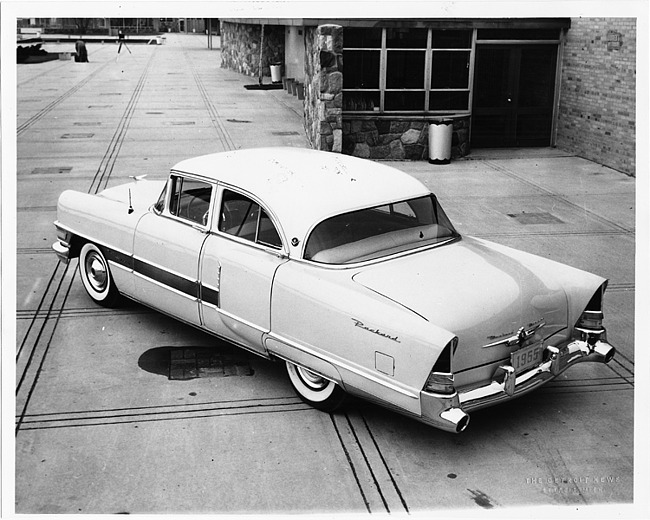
474,291
143,193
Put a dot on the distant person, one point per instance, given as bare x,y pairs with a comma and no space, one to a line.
82,53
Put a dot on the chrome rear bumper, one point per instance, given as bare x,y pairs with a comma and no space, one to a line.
449,412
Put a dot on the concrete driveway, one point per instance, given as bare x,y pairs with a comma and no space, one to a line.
103,425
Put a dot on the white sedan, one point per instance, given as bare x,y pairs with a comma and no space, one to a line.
347,270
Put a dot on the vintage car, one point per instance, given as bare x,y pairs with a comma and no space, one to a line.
347,270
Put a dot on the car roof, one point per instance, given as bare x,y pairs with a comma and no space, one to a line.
302,187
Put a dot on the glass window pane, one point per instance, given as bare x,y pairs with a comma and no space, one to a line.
451,39
518,34
238,216
448,100
366,38
267,234
537,76
450,69
405,69
191,200
404,100
361,100
377,232
406,38
361,69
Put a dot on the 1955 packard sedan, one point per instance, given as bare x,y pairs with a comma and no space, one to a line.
347,270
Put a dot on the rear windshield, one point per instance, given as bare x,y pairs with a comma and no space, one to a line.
380,231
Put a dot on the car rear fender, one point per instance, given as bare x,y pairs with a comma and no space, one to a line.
368,343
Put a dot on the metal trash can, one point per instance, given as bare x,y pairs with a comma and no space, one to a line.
440,132
276,75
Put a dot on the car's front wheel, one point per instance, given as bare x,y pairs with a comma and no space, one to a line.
314,389
96,276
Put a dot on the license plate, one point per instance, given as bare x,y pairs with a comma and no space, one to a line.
527,357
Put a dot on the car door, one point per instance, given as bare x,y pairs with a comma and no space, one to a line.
238,264
167,248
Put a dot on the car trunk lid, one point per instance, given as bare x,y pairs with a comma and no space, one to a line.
479,294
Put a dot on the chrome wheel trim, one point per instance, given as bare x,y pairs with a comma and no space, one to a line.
312,380
96,271
309,385
95,274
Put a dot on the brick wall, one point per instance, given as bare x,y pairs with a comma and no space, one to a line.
597,98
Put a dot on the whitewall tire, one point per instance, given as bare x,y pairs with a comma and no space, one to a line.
315,390
96,276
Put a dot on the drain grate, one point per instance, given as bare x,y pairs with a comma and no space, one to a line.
535,218
285,133
51,170
190,363
77,136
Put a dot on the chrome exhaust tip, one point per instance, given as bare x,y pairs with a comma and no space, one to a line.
457,418
604,351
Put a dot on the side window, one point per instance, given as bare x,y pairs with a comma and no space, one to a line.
243,217
159,206
190,199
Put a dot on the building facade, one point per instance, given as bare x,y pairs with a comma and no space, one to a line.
372,87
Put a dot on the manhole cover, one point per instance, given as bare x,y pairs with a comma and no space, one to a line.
285,133
110,93
180,123
237,121
154,113
51,170
190,363
535,218
95,123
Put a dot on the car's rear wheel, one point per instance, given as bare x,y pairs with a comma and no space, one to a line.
96,276
314,389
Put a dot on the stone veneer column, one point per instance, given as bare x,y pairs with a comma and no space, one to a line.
324,83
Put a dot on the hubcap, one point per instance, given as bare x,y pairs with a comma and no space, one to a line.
312,380
96,271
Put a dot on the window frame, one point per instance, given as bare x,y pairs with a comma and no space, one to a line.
166,195
277,250
428,69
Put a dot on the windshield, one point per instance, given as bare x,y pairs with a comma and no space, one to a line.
376,232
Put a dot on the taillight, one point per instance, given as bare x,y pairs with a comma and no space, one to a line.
589,326
441,378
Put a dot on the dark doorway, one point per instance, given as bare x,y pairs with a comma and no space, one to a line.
514,91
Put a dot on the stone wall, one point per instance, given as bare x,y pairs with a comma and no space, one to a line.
398,139
597,99
240,47
323,87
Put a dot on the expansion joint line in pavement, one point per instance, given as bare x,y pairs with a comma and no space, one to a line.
160,413
48,108
222,133
377,485
557,196
49,325
105,169
44,335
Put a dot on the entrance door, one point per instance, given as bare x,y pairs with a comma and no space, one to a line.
514,92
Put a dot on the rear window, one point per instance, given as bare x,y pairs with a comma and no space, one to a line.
379,231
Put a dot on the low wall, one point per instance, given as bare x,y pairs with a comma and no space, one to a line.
399,138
